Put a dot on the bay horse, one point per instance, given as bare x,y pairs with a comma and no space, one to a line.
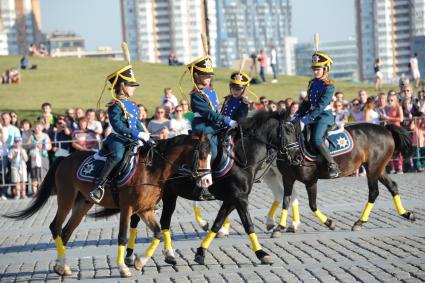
139,195
255,143
374,146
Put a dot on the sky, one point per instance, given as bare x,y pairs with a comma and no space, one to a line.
99,21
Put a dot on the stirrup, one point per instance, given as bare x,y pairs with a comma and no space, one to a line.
334,171
97,194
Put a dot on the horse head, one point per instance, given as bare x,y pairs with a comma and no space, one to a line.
202,161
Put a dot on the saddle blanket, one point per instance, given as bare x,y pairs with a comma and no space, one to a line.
340,142
226,161
92,165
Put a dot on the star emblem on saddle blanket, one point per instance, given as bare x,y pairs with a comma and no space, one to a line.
342,142
88,169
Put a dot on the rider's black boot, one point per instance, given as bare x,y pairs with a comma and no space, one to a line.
333,168
97,193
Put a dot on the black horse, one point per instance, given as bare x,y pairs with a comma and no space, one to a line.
256,143
374,146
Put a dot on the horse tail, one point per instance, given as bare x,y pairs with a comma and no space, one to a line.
45,190
402,140
105,212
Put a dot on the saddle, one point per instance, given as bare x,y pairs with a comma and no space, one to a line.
92,165
339,141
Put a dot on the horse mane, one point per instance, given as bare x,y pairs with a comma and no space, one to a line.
168,144
263,120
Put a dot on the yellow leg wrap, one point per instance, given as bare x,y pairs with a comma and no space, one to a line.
321,216
60,248
283,217
398,205
152,247
254,242
295,211
208,239
167,239
198,216
272,210
366,211
226,223
120,257
132,239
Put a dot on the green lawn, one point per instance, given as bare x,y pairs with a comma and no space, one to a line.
72,82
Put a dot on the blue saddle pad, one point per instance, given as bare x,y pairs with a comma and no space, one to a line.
92,165
340,142
226,162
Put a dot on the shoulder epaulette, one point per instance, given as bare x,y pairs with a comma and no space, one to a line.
245,99
111,103
328,82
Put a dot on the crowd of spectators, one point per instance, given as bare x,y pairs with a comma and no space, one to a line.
27,149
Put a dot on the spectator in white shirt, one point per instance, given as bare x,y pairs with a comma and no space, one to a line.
179,125
168,95
414,67
93,124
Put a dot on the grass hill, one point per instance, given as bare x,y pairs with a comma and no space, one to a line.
72,82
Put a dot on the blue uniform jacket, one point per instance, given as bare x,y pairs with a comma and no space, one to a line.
205,107
125,127
235,108
316,105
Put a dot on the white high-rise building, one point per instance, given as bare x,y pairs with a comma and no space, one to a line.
8,43
20,25
247,26
154,29
387,29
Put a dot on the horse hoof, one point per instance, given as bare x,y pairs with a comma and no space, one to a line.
124,271
200,256
169,256
170,260
276,233
331,225
410,216
205,227
291,229
140,262
129,261
263,257
221,235
358,225
269,227
62,270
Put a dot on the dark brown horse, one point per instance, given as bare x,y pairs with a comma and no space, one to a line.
139,196
374,146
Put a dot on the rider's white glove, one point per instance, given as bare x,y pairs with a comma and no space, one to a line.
233,124
144,136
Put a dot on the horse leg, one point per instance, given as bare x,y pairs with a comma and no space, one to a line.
272,181
169,205
224,230
80,209
224,211
149,218
242,208
65,204
295,213
125,215
373,194
393,188
129,256
288,185
312,195
204,224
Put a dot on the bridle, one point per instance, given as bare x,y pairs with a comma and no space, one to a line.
287,149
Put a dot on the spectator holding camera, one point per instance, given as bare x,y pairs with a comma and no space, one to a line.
18,166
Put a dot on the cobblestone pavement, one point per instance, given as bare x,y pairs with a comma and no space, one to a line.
388,249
